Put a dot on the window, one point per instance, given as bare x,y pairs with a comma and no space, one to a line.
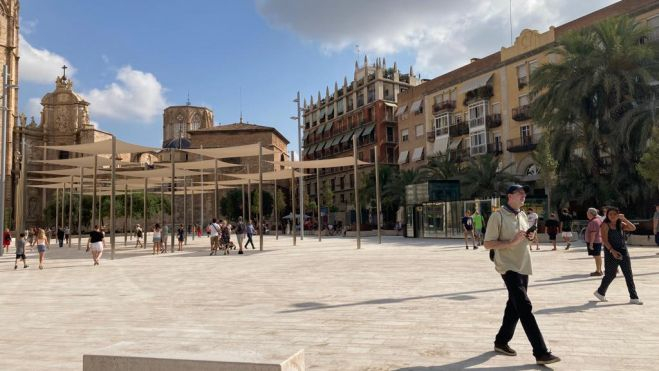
360,99
523,100
342,184
390,155
522,76
340,107
420,130
533,65
390,134
63,155
388,92
478,144
477,114
371,93
405,135
371,155
351,104
525,132
332,184
496,108
441,124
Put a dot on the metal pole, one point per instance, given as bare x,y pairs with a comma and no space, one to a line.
130,215
94,193
63,204
24,177
249,197
299,152
56,210
80,211
185,210
191,217
70,209
125,212
171,207
293,197
112,194
318,202
216,209
355,184
144,206
162,202
203,198
261,224
242,192
3,157
276,216
378,205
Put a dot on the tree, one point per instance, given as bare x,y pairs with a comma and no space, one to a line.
649,163
545,161
232,204
268,203
440,167
485,176
595,105
327,196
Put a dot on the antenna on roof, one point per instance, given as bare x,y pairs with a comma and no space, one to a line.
188,101
241,104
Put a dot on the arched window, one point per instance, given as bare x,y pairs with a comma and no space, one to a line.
195,123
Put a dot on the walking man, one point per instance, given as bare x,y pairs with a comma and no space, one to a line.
507,236
250,234
240,234
566,227
468,229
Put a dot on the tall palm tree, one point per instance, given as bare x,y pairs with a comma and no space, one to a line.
485,176
542,156
394,190
594,106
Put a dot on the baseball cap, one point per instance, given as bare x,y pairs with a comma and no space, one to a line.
516,187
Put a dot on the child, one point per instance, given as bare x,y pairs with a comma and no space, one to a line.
6,239
20,251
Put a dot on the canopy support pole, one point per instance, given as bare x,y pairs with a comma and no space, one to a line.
356,187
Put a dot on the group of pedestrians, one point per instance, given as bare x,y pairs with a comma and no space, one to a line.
510,233
220,235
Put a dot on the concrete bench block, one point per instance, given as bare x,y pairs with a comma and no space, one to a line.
251,361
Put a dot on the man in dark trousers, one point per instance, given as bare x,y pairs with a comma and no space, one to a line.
509,237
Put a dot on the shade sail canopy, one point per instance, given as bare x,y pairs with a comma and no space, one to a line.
104,148
72,171
87,161
271,175
322,164
203,164
200,189
62,179
248,150
157,173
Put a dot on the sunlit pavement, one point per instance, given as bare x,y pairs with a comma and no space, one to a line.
406,304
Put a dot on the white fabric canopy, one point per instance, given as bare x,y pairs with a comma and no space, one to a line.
203,164
87,161
271,175
418,153
402,157
104,147
157,173
247,150
72,171
62,179
322,164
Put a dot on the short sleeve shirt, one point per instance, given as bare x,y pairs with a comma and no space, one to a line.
215,228
594,227
502,226
533,218
95,236
478,221
566,219
468,222
20,246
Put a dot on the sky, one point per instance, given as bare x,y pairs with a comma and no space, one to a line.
132,58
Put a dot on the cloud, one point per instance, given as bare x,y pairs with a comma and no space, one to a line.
34,109
135,96
28,26
40,65
442,35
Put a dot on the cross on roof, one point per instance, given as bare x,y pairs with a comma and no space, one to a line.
64,67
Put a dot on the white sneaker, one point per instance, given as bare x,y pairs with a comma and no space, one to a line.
635,301
600,296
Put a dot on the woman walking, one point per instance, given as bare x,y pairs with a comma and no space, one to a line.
157,235
96,243
42,245
616,254
180,235
6,240
594,239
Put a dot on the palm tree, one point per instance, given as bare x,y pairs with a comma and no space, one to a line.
485,176
439,166
594,106
543,158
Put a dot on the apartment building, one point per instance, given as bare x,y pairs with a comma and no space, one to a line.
482,107
364,108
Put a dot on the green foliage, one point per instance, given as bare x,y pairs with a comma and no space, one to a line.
440,167
485,176
597,108
648,166
232,204
268,203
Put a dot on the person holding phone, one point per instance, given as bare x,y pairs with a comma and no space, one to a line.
616,254
509,236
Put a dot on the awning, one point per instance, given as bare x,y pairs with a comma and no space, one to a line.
475,83
304,151
392,105
308,132
337,140
347,137
368,130
358,131
401,110
455,144
416,106
320,128
328,127
418,153
312,149
402,158
330,110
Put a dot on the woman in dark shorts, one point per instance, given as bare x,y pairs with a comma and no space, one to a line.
551,226
594,240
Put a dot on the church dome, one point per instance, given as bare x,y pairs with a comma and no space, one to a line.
177,143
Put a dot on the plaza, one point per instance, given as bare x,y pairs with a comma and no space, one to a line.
407,304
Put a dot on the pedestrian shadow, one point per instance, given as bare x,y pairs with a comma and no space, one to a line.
473,363
566,277
592,304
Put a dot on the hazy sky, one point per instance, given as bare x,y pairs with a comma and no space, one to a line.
132,58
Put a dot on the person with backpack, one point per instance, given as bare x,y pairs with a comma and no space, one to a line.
214,232
508,236
250,234
240,234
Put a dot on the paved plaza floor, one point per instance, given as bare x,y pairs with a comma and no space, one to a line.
404,305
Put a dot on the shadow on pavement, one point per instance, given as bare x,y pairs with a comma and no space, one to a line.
577,308
469,363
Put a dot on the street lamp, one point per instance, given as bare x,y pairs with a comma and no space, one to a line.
299,153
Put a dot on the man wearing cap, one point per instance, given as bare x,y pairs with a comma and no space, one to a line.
507,236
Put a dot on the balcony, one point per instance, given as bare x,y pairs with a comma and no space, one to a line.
458,129
522,82
521,113
495,148
476,122
482,93
459,155
443,106
493,121
523,144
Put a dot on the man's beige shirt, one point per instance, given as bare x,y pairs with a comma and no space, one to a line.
516,258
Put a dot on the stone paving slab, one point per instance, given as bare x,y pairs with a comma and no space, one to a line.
404,305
